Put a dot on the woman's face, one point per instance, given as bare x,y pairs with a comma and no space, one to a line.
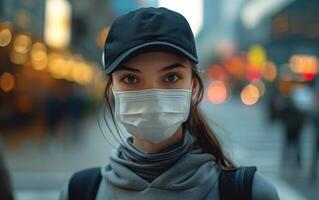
153,70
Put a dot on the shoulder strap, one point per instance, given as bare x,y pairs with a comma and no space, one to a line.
236,184
84,184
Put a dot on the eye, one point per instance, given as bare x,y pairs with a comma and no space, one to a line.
129,79
171,78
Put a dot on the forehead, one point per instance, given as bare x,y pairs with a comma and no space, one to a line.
155,59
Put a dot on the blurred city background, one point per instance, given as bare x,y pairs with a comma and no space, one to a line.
259,60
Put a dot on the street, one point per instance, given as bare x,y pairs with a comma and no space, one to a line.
39,169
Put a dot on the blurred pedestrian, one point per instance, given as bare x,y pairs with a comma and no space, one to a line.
75,108
5,183
171,153
293,119
272,104
315,122
54,111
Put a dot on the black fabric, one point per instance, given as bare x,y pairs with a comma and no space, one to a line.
147,27
84,184
236,184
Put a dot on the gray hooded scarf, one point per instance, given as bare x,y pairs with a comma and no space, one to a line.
181,171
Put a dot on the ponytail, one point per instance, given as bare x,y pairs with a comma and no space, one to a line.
198,127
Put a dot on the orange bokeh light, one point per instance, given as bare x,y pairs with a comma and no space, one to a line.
217,92
235,66
216,72
7,82
270,71
250,94
306,65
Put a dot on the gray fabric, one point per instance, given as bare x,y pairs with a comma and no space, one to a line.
262,189
193,176
194,173
151,165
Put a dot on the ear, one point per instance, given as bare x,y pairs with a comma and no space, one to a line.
194,85
194,89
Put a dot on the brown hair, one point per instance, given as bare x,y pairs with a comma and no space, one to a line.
196,124
199,128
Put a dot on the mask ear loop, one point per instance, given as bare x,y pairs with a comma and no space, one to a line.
118,129
100,127
103,61
116,126
106,121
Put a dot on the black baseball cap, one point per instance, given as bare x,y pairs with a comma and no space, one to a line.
147,29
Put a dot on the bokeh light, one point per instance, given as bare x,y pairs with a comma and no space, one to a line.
70,68
22,44
306,65
5,37
18,58
256,55
7,82
82,74
260,86
57,23
249,95
216,72
101,36
217,92
39,58
56,63
270,71
235,66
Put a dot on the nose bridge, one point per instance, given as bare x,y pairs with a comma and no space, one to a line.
151,82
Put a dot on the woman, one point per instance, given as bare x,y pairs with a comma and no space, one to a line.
150,58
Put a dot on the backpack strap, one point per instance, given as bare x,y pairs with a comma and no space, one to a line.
85,184
236,184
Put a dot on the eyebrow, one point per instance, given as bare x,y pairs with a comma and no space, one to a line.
169,67
173,66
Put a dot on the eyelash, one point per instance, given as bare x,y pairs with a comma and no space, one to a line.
174,74
124,77
127,76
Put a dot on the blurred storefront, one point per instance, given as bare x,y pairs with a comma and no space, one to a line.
279,48
40,71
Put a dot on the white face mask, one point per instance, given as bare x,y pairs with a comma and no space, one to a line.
152,114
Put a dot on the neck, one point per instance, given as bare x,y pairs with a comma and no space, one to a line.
150,147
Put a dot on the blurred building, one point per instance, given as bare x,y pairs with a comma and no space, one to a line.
295,30
218,35
289,28
91,21
89,27
25,14
35,64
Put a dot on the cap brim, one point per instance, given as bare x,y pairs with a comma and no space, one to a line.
159,44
